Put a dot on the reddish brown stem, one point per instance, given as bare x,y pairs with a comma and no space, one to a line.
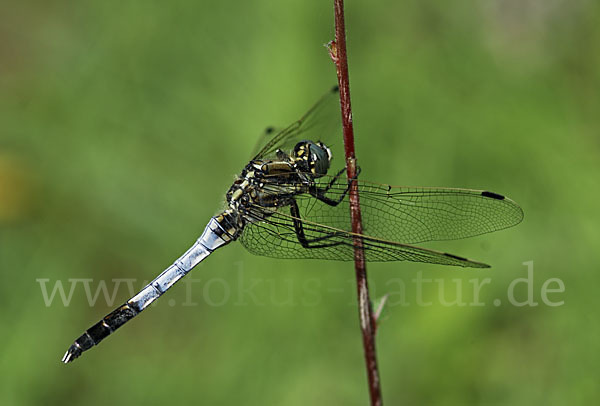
338,53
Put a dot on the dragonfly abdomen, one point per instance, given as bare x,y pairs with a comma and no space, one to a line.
220,230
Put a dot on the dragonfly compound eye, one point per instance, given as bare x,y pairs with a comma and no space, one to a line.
321,158
312,157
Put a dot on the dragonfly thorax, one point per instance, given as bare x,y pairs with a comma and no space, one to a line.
243,189
264,186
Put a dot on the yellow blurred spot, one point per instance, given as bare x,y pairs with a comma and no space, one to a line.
15,189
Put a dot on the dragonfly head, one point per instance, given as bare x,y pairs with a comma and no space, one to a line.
313,157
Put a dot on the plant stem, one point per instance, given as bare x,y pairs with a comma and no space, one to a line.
337,50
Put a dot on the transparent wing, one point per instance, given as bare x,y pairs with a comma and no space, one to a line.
409,215
321,123
276,237
414,214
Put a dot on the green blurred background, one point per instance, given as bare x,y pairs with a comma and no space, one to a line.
123,124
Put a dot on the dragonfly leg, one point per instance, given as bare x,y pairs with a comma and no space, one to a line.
320,193
305,242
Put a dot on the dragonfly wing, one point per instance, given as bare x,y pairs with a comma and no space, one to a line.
320,123
276,237
413,215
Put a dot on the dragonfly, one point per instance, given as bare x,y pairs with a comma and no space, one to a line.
287,202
